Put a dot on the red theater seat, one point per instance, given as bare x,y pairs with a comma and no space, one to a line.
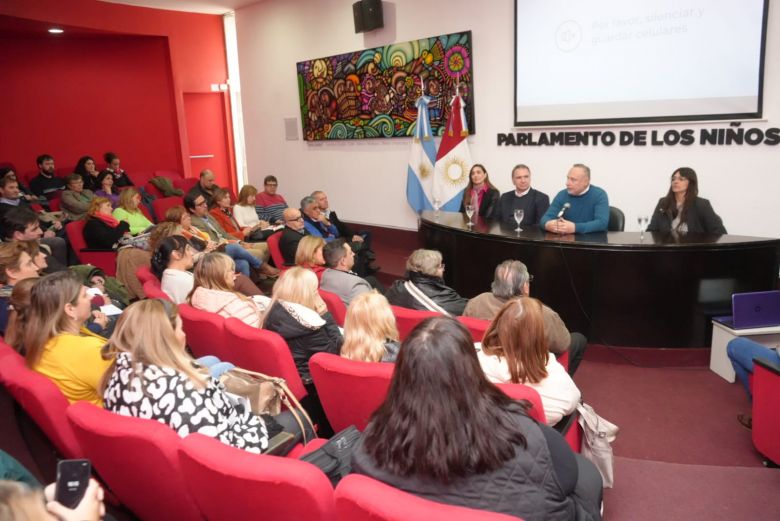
230,484
144,274
407,319
276,252
205,332
360,498
476,327
335,306
152,289
163,204
103,259
766,397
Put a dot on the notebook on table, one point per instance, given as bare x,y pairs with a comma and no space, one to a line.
750,310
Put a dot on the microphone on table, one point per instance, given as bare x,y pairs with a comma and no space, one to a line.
566,206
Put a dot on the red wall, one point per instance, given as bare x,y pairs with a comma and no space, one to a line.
88,95
196,48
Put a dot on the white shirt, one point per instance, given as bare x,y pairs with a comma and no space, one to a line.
245,215
558,391
177,284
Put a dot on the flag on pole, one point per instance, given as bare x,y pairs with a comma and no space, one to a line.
419,176
453,161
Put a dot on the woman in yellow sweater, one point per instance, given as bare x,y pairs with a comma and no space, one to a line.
130,212
57,345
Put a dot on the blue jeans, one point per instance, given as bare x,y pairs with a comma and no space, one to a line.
742,352
243,259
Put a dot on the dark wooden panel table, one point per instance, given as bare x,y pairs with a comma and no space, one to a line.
617,288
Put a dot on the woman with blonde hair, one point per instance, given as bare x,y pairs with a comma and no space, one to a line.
424,286
514,349
129,211
58,346
370,333
299,315
215,292
309,255
148,346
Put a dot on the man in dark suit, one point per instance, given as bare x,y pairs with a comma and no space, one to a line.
360,241
291,235
533,202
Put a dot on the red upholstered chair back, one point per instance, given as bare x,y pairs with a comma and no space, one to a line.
105,260
146,212
350,391
185,183
205,332
229,484
273,247
152,289
766,421
476,327
163,204
173,175
144,274
6,350
42,400
55,205
523,392
141,178
138,459
262,351
407,319
335,306
360,498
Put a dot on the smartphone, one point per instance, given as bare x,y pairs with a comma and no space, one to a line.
72,480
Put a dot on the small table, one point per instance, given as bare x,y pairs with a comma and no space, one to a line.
722,335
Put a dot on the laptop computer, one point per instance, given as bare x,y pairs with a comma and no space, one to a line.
749,310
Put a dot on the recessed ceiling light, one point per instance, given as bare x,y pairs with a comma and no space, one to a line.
56,30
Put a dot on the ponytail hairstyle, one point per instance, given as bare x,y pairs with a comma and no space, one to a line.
161,257
19,306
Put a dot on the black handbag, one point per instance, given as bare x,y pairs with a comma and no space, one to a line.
335,457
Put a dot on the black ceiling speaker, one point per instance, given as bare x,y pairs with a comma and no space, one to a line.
367,15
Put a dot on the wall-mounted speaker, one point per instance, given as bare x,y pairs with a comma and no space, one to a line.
367,15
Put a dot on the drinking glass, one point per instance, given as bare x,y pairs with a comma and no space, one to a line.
436,205
642,221
470,212
519,214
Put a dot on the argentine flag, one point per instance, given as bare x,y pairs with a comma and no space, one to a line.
419,176
453,161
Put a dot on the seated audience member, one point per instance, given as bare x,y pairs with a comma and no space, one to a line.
18,311
205,187
27,195
10,196
370,333
89,173
148,347
15,266
292,234
215,291
299,315
224,214
309,255
171,262
76,199
330,217
46,183
424,287
129,211
22,224
121,179
587,210
742,352
682,210
128,260
490,456
314,222
512,280
514,350
245,214
533,202
338,278
102,230
27,502
59,306
105,188
247,255
268,204
480,193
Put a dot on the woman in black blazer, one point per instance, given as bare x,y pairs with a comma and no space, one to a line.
480,189
683,211
102,230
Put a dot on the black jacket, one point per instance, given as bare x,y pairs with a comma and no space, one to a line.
304,338
101,236
433,287
488,207
701,218
288,244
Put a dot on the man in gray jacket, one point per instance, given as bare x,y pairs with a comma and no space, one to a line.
338,279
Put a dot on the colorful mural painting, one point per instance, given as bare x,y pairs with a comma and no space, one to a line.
372,93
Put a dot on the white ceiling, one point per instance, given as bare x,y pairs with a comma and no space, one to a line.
193,6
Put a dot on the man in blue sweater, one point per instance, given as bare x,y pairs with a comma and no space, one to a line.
581,208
